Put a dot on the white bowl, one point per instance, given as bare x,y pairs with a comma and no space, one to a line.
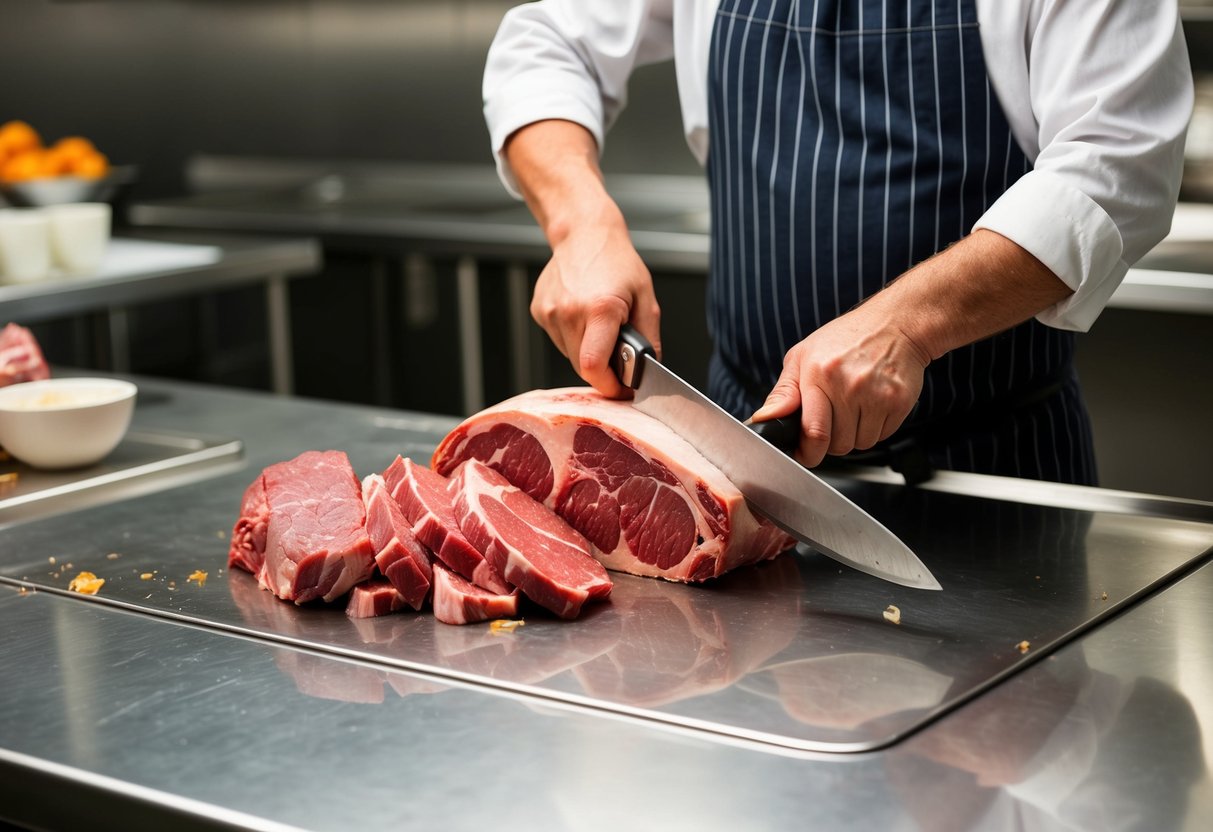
65,422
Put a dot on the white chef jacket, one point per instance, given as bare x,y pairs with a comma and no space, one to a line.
1098,93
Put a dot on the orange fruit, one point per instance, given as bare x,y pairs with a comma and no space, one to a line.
73,147
91,166
24,166
17,136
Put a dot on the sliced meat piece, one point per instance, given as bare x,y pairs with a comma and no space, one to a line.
426,500
400,557
374,598
524,540
648,501
20,357
457,601
316,543
247,550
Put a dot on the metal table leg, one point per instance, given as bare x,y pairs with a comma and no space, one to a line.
518,285
278,311
467,281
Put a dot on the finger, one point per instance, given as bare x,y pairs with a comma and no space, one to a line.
816,425
843,428
785,396
871,426
596,347
646,317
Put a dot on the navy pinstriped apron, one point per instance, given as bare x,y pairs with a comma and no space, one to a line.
850,141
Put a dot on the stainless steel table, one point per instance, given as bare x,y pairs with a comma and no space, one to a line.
778,698
233,260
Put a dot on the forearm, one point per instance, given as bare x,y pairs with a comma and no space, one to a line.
555,163
978,287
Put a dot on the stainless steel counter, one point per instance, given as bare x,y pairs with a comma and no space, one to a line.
157,273
164,702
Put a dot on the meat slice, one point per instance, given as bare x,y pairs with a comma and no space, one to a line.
247,550
316,543
20,356
456,601
645,498
398,554
425,498
536,551
373,598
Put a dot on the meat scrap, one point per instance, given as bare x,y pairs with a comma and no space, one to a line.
425,498
646,499
373,598
528,543
457,601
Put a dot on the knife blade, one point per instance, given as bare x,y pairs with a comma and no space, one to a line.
773,483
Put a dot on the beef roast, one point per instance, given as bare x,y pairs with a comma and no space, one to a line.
398,554
524,540
457,601
425,498
316,543
645,498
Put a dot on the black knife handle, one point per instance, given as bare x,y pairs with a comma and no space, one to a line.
625,360
783,433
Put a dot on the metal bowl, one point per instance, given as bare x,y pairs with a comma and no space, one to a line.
61,190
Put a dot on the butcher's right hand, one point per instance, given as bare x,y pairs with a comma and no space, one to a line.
595,283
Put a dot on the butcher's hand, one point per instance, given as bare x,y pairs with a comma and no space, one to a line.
854,380
595,283
857,378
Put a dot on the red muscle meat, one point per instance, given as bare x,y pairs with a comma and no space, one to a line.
644,497
316,543
457,601
373,598
398,554
20,357
527,542
247,550
425,498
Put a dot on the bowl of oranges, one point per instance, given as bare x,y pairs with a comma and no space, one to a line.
34,174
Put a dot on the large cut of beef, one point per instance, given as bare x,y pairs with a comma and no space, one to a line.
247,550
527,542
20,356
316,545
648,501
425,498
373,598
400,557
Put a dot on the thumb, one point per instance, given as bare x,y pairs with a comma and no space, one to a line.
784,398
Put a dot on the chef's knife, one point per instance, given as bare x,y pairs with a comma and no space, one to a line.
773,483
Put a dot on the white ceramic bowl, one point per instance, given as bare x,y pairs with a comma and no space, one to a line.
65,422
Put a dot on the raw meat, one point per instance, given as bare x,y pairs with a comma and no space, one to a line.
398,554
458,602
527,542
645,498
248,535
374,598
20,357
426,500
316,543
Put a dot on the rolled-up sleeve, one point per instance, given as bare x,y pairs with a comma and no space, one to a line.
571,60
1111,94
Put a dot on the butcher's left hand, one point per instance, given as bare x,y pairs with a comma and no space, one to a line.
855,380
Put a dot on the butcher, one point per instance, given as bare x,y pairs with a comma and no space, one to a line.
916,205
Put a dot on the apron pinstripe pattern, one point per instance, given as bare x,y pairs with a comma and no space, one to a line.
850,141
